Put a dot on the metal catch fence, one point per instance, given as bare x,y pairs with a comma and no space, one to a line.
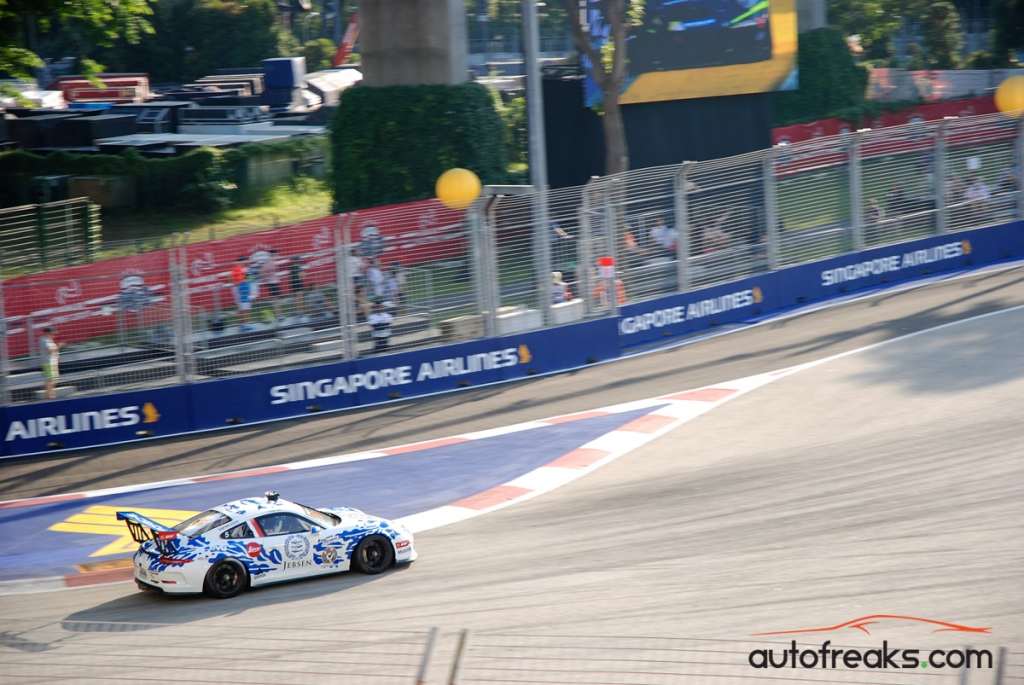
48,235
418,275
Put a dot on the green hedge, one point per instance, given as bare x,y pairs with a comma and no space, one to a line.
390,144
200,179
830,81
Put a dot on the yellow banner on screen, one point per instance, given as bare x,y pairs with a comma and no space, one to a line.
767,75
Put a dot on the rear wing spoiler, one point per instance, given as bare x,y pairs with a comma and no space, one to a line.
144,529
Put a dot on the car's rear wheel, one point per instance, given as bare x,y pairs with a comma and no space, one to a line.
373,554
225,579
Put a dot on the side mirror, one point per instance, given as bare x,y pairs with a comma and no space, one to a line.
314,530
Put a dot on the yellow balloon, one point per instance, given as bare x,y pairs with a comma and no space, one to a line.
1010,95
457,188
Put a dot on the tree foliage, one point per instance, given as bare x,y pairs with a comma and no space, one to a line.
80,26
390,144
941,35
1008,16
830,81
608,69
319,53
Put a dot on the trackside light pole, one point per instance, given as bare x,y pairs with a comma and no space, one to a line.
538,156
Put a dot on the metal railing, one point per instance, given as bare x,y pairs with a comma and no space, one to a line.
311,293
48,235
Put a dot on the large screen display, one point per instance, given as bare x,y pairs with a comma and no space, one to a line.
703,48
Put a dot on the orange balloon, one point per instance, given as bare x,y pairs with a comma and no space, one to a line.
457,188
1010,96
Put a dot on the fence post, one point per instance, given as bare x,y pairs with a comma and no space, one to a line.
474,226
186,310
460,650
41,234
428,650
492,283
771,209
965,673
939,177
345,291
1000,667
856,195
542,251
177,331
611,247
4,359
1019,149
681,204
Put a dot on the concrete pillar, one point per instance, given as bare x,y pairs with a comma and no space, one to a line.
412,42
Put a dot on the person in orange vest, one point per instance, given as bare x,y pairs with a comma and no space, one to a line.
601,291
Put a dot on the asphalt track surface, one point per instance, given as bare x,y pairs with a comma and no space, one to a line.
887,481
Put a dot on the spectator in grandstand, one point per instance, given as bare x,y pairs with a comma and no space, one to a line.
601,291
295,282
663,238
714,236
356,267
362,303
49,362
631,252
977,196
243,290
875,215
272,281
380,322
394,285
1007,190
560,291
371,242
896,201
375,279
318,305
561,244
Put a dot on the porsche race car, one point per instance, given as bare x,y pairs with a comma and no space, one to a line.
259,541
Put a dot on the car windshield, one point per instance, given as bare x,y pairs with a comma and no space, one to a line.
320,518
201,523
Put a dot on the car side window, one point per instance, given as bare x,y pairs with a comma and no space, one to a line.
283,524
239,532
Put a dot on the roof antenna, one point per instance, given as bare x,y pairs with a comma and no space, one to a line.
272,495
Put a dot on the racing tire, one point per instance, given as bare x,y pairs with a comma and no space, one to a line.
226,579
374,554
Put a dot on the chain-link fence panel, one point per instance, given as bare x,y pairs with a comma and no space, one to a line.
725,207
980,180
898,183
34,237
643,211
99,327
812,181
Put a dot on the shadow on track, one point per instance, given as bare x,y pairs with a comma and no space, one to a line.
147,610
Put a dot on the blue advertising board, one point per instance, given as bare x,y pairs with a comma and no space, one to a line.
122,417
362,382
740,300
99,420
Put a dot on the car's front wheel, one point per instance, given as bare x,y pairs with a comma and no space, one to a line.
373,554
225,579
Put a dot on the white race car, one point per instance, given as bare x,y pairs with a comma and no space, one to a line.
258,541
